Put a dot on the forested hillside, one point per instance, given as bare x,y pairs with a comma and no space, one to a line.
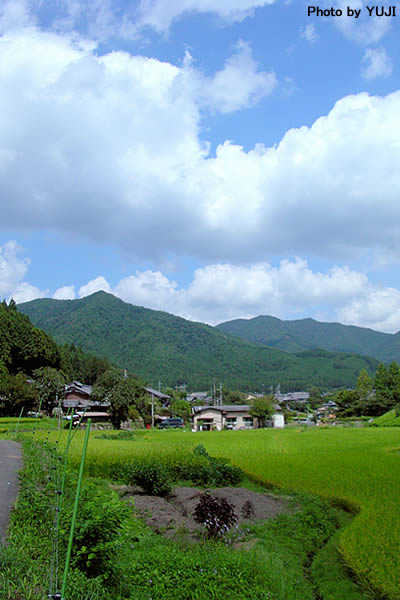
308,334
25,348
161,347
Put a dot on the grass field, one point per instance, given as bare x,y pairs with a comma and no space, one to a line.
357,467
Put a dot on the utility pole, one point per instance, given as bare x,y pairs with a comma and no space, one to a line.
220,394
152,411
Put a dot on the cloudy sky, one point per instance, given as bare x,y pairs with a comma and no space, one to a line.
211,159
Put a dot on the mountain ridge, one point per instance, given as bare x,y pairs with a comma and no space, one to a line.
159,346
307,334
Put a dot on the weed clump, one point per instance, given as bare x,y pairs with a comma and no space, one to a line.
217,515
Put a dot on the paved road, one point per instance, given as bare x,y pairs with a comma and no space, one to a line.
10,463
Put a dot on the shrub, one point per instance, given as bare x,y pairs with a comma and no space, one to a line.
217,515
152,476
102,518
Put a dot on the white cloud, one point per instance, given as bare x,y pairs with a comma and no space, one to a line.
67,292
25,292
223,291
95,285
159,14
106,19
378,309
12,267
219,292
109,148
376,63
15,14
309,33
238,85
364,30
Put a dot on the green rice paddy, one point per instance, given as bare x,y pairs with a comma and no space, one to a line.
356,468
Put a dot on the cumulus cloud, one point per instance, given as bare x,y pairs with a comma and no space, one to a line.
13,267
376,63
110,149
95,285
224,291
25,292
238,85
67,292
219,292
159,14
15,14
378,309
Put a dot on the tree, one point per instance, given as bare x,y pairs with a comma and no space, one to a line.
315,398
181,408
17,393
364,388
387,389
348,403
50,384
121,392
365,384
262,409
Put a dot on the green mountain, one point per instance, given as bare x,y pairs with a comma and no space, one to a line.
307,334
158,346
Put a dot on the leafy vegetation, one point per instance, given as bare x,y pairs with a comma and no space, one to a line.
353,468
217,515
262,409
33,369
159,346
121,392
116,556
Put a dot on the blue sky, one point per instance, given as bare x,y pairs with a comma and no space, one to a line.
214,160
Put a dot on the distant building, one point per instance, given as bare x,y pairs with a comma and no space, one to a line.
202,397
77,396
164,399
234,416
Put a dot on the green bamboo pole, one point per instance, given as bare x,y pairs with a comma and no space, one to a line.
66,457
75,511
19,418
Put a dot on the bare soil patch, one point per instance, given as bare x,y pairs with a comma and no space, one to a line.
175,513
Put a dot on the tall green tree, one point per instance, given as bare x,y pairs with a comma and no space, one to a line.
18,393
262,409
387,389
348,403
50,384
121,392
181,408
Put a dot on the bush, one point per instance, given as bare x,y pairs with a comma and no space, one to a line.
152,476
97,538
207,470
217,515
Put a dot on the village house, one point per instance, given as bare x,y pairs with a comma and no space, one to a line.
77,397
235,416
164,399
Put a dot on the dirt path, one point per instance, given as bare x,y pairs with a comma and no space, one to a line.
10,463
